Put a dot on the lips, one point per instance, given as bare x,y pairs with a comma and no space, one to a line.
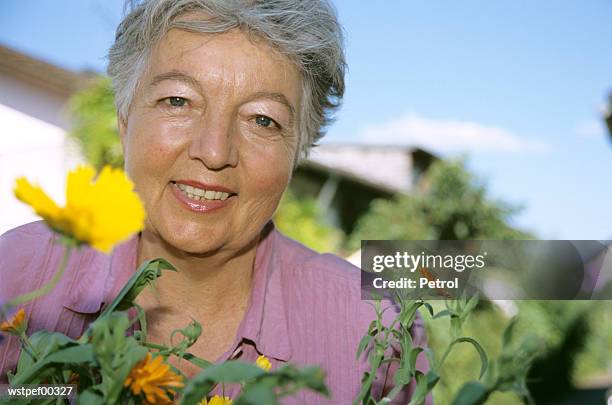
201,197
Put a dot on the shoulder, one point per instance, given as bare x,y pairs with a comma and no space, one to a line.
333,285
22,246
31,254
34,231
306,265
327,282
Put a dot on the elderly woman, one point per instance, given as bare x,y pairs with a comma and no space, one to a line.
217,101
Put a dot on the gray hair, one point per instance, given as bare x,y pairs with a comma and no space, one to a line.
305,31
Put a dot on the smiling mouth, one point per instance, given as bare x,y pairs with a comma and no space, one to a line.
200,194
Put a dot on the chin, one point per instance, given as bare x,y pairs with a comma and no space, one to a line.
198,243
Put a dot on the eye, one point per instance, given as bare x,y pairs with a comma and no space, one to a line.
264,121
175,101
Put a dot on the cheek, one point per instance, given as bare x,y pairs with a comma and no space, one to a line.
269,176
152,147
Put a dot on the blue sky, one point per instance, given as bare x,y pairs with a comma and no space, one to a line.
518,86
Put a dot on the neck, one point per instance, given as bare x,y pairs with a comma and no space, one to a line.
205,283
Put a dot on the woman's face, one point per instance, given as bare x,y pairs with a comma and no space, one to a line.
210,138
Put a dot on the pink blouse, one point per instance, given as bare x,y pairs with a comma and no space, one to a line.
305,308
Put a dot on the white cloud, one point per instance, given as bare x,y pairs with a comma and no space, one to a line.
447,136
591,129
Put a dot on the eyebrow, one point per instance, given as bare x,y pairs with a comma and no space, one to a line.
278,97
176,75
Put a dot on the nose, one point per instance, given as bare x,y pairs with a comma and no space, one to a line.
214,142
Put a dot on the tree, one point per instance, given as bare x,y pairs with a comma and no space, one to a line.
94,124
301,220
453,205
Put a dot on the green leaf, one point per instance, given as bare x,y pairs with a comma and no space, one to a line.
421,389
408,313
365,341
429,308
89,397
262,393
43,343
312,376
115,352
197,361
472,393
507,336
366,387
229,372
76,354
268,387
432,379
469,306
442,313
484,362
393,393
414,353
402,376
430,356
148,272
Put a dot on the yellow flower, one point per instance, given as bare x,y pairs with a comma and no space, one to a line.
15,325
101,212
263,363
217,400
153,378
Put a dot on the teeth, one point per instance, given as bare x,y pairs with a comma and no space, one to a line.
198,194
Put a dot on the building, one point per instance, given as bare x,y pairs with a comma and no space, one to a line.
33,125
345,179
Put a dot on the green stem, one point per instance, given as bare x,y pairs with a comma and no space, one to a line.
190,357
27,345
45,289
443,358
154,346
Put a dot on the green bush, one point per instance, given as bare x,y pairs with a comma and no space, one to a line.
94,124
453,206
302,220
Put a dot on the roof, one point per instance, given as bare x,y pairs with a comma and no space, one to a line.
40,73
388,167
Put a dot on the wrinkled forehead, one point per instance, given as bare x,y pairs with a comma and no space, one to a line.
231,58
207,27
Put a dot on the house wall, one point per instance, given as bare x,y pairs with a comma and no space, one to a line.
32,143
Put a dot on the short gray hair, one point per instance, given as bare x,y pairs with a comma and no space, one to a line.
305,31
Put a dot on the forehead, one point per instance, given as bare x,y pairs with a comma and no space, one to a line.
233,59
